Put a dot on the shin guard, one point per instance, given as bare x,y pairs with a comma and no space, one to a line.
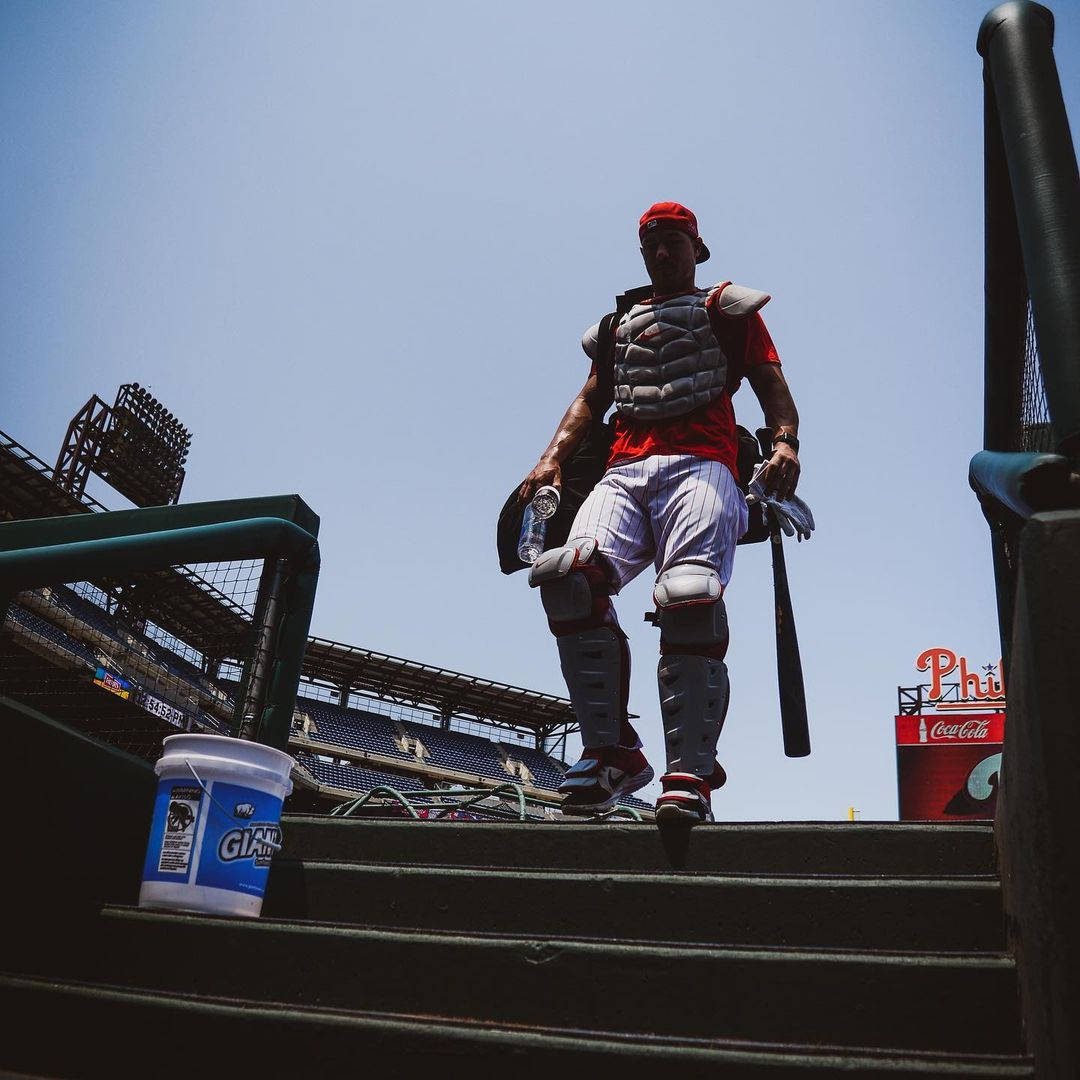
575,590
692,676
693,704
597,679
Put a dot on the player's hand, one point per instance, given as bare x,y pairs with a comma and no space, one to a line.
546,472
780,475
791,514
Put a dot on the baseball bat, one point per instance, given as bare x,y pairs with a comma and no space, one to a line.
789,676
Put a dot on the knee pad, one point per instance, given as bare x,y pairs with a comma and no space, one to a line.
571,579
694,695
690,603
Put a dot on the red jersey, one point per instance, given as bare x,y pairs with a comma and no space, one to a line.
709,431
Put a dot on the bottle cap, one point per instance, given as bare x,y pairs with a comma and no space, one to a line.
546,501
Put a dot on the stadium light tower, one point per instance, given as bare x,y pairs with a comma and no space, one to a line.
136,446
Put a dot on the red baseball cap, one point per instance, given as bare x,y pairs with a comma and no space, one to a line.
675,216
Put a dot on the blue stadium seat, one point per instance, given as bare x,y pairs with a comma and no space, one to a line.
546,773
352,728
464,753
355,777
34,624
78,607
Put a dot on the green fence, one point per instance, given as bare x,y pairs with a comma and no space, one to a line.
233,582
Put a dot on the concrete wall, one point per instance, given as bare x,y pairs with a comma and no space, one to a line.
1038,812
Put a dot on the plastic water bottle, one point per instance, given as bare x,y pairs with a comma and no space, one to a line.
534,523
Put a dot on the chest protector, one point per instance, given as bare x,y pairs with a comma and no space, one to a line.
667,359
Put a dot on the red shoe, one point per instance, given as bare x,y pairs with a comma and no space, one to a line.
686,798
718,778
602,777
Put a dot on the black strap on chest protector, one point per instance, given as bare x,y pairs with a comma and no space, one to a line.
605,340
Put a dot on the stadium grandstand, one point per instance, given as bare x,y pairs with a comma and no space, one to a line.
132,661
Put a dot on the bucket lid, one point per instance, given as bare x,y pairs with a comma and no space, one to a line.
240,752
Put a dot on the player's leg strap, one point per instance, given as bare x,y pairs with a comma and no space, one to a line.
575,589
692,675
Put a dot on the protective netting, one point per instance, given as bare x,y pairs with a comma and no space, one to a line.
133,660
1035,433
233,583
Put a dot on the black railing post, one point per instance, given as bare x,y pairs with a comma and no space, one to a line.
256,677
1006,294
1016,42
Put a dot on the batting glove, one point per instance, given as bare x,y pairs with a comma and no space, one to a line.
792,515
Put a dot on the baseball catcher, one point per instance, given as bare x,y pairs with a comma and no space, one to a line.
670,359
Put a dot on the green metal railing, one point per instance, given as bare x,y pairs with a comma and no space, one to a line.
281,530
414,800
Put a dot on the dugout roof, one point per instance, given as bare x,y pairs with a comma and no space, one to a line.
421,685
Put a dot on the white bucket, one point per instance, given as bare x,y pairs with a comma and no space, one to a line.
216,825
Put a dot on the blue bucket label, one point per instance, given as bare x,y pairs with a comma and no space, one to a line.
220,841
234,853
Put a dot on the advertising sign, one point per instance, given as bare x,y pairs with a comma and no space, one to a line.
115,684
973,690
948,750
162,710
933,729
948,783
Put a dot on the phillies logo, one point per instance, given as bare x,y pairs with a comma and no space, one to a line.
943,662
970,730
979,788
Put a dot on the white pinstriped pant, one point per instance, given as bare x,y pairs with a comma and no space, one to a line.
664,509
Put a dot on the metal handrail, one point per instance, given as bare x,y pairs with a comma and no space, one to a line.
631,812
345,809
1032,266
81,547
472,797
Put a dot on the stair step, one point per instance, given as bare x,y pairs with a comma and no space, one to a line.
861,913
887,849
113,1031
806,996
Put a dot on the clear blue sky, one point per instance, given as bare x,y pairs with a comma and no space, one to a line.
354,247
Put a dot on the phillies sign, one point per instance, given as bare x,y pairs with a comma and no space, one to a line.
950,782
941,663
948,758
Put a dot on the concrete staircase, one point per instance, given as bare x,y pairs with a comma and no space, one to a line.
385,947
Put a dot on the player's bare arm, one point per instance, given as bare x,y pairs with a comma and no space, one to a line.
587,406
781,474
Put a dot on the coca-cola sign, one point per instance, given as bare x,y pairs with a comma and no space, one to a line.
928,730
966,731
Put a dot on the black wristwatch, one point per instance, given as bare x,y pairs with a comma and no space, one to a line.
791,440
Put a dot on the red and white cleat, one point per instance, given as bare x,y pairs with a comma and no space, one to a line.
601,778
686,798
